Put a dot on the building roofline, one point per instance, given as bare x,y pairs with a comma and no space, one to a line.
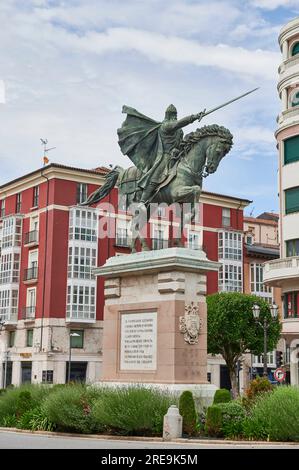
102,171
254,220
263,251
98,171
235,198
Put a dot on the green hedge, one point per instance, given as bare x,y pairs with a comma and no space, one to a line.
225,419
274,416
188,412
222,396
213,424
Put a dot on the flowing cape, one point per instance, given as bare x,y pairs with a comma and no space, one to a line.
139,139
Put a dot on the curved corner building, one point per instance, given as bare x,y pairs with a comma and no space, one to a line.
284,272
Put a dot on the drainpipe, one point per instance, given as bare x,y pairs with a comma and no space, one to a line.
45,264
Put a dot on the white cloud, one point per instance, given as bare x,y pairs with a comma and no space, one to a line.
273,4
69,66
175,50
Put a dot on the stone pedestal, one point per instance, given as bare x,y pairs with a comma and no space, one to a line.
155,320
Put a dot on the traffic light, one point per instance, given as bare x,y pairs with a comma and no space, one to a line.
279,358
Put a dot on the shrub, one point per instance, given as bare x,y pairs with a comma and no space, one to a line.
222,396
9,421
35,420
233,416
213,424
188,412
132,410
274,416
15,402
69,408
258,386
24,403
225,419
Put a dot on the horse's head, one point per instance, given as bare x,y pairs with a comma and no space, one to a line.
205,148
214,154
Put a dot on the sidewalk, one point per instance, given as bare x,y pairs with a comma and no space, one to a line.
182,440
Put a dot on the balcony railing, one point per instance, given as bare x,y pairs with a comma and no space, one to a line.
31,237
122,241
31,274
292,61
159,243
28,313
276,271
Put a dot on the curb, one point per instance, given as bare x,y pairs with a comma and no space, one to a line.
84,436
147,439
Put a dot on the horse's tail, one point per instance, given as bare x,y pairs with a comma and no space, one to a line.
111,180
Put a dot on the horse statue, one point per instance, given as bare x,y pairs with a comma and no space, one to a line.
198,156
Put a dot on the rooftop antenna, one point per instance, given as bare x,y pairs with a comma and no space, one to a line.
251,212
46,150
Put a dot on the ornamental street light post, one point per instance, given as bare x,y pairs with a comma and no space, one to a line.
70,356
2,323
265,324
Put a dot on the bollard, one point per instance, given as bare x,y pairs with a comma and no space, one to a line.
172,424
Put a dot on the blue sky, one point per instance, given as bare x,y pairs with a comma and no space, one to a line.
69,66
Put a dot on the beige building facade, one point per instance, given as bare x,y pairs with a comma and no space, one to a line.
284,273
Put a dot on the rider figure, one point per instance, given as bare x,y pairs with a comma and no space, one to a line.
171,135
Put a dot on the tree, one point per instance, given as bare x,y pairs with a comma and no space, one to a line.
232,330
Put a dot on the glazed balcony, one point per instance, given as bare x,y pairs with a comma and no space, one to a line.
31,238
277,271
9,315
77,314
30,275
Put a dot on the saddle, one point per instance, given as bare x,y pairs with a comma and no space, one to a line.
130,177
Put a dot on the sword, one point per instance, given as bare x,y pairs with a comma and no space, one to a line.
229,102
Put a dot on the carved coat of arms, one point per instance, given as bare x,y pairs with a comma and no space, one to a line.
190,323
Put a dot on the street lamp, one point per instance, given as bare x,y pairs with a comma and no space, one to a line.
2,323
265,325
70,356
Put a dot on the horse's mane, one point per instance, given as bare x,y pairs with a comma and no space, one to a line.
205,131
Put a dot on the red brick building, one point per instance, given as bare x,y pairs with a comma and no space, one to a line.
49,298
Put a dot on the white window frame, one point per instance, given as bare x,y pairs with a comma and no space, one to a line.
258,361
34,223
230,246
233,283
257,286
33,259
192,236
226,217
29,297
82,191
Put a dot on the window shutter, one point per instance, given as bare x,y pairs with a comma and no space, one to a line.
292,200
295,49
291,150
